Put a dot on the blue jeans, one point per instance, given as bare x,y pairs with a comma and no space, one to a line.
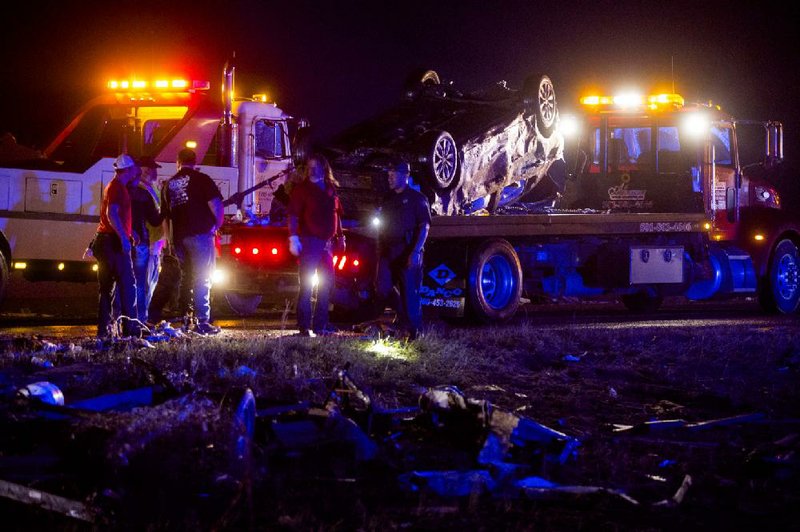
399,285
314,257
198,257
152,275
114,275
140,255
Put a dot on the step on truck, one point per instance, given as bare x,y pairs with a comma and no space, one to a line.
50,200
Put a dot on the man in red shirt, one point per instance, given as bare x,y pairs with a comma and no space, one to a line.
314,220
112,249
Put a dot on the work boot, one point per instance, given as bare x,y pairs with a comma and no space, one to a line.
206,328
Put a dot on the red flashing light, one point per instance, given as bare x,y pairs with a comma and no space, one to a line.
274,251
255,251
237,250
355,263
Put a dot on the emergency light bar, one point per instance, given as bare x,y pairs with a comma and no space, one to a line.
177,84
634,101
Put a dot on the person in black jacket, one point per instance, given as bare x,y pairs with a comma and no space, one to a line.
405,221
146,225
193,212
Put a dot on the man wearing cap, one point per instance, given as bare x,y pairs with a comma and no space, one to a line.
146,223
112,249
405,220
191,204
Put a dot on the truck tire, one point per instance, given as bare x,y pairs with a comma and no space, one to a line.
3,277
440,152
539,96
644,301
494,282
780,289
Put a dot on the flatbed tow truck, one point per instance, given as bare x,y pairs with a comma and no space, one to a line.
663,199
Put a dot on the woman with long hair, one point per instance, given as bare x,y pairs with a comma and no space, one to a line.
314,223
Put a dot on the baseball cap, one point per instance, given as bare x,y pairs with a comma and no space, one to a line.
399,165
123,161
147,161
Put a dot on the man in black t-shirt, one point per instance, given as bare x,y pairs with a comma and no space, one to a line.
191,204
405,221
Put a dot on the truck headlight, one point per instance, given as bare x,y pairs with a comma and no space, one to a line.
219,277
767,197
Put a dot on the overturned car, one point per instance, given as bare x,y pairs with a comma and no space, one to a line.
469,152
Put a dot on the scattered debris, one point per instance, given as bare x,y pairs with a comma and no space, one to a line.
48,501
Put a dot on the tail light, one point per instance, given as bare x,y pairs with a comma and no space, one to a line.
346,263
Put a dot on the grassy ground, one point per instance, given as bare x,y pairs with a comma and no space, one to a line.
175,464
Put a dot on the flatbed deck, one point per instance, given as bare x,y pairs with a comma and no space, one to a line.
549,224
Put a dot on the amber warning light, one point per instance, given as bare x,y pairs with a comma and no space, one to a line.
634,101
171,84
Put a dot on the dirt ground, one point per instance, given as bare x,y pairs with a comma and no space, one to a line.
517,427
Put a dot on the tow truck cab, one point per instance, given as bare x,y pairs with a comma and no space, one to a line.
659,154
50,203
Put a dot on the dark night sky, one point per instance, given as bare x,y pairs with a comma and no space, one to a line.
336,62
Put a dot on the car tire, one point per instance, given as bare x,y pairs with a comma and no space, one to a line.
441,156
243,304
494,285
539,96
780,288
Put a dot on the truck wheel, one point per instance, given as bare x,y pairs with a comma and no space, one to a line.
539,96
243,304
780,289
494,284
441,155
3,277
647,300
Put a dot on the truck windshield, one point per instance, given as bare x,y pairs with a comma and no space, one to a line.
632,149
270,139
108,130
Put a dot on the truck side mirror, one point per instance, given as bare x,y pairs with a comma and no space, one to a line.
301,143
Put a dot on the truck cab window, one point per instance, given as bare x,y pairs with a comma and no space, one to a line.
154,131
721,139
269,139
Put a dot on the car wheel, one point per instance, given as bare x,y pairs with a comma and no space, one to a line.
644,301
540,96
780,289
243,304
442,160
494,286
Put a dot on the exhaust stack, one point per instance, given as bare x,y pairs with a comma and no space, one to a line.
228,145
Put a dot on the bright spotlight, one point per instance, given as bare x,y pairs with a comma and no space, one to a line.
219,277
569,126
696,125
